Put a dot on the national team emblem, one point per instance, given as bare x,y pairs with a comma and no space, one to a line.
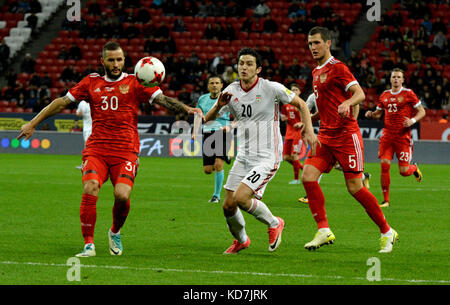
124,89
323,78
400,99
258,98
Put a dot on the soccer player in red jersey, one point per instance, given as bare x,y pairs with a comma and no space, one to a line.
337,92
401,109
293,138
113,147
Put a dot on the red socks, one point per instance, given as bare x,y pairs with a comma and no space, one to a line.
120,213
385,180
297,166
316,202
370,203
410,171
88,217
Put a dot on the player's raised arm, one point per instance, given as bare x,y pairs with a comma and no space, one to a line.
176,106
55,107
309,137
223,100
357,98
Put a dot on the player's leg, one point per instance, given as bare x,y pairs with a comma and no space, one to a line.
254,185
123,172
218,179
312,171
385,153
94,173
233,215
296,147
351,158
404,156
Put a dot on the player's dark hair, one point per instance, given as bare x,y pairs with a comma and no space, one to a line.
252,52
324,32
296,86
214,76
110,46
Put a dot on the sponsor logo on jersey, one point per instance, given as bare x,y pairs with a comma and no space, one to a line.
97,90
109,89
258,98
236,100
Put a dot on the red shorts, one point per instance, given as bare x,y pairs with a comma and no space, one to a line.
118,169
292,146
403,149
349,152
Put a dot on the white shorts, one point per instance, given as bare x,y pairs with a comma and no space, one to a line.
255,174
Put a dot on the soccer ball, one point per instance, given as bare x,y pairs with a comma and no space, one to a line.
149,71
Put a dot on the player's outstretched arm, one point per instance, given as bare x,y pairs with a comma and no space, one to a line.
55,107
224,99
176,106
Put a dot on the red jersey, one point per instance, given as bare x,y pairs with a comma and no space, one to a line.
397,106
331,83
114,110
293,117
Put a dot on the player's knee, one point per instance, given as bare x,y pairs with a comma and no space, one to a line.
91,187
218,167
122,193
207,171
353,186
229,207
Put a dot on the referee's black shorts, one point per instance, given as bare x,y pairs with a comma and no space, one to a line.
209,143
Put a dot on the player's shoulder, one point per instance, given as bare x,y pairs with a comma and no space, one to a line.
203,97
93,75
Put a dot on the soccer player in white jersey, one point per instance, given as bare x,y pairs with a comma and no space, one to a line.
254,103
84,111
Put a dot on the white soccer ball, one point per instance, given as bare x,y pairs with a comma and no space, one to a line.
149,71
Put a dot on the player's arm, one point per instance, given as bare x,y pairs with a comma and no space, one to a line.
420,114
357,98
375,115
309,136
175,105
224,99
55,107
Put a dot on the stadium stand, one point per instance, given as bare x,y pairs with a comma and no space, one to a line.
196,38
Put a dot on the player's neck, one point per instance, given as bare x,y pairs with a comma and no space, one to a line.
248,84
396,89
213,96
324,59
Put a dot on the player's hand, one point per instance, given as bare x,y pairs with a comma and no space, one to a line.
224,99
226,128
195,111
344,110
311,139
369,114
27,131
408,122
299,125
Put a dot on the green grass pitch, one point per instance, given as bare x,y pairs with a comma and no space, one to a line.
173,236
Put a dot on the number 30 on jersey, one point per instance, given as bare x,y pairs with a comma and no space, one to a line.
111,103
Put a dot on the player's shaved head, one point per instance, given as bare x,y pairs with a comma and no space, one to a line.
110,46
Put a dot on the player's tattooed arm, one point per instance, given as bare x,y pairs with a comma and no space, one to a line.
175,105
170,103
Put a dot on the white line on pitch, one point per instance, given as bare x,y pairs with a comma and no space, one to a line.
294,275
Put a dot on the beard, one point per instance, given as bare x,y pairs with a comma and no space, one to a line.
110,74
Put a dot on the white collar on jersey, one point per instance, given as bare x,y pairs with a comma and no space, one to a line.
115,80
329,59
394,93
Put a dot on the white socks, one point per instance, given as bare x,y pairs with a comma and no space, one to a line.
236,225
262,213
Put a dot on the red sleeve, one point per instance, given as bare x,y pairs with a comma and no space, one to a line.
413,98
146,94
380,102
80,91
344,77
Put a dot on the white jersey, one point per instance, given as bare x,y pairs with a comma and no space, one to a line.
84,111
257,113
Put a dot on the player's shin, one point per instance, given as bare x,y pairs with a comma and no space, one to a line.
120,213
316,201
236,225
370,204
261,212
88,217
385,180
